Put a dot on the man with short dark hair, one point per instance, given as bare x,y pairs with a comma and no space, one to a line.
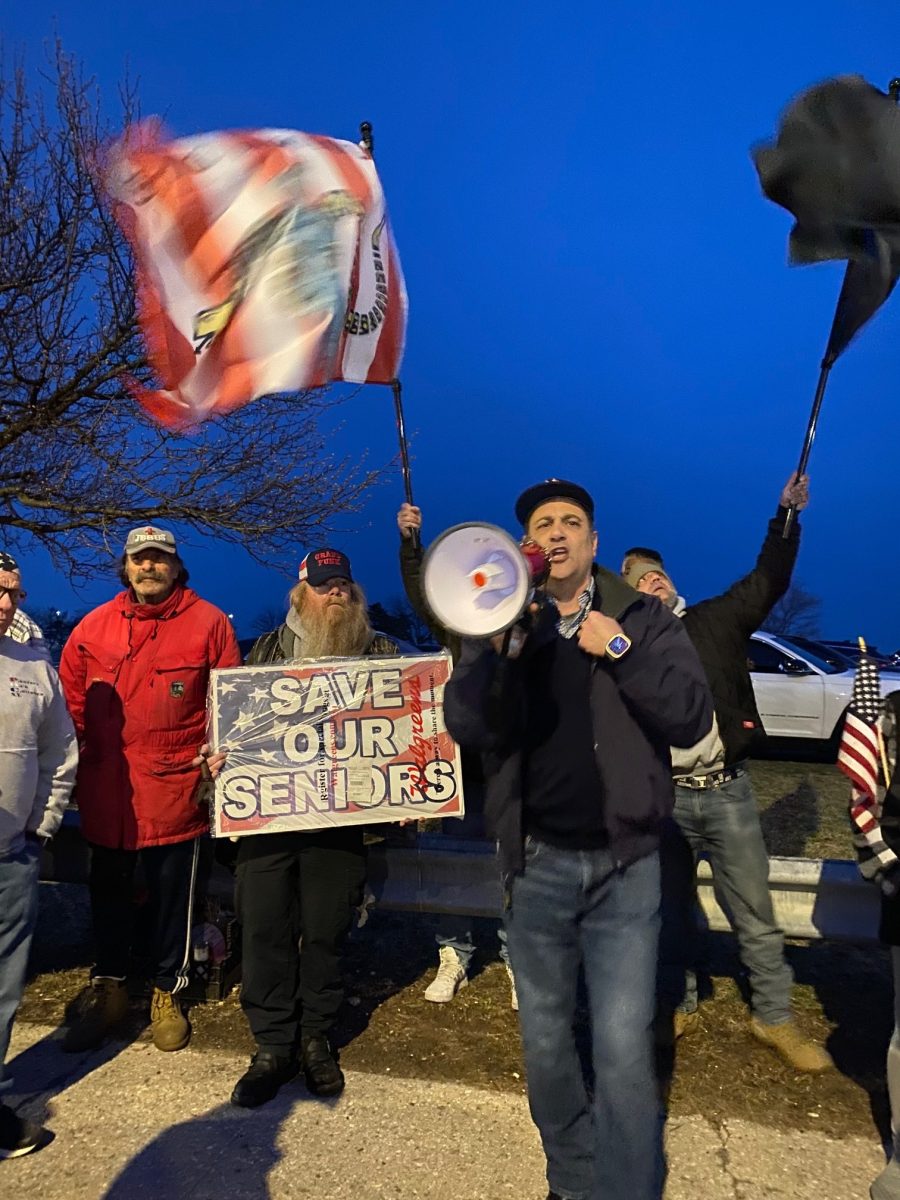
715,808
38,756
135,673
575,716
297,891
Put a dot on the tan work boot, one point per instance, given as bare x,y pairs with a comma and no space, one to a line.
685,1023
169,1025
99,1008
797,1050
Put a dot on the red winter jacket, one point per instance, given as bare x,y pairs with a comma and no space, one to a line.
135,678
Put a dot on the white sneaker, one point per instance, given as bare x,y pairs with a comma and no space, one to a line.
451,976
513,994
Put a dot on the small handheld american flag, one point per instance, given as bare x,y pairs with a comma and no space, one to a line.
860,757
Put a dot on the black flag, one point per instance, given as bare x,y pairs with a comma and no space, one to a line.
836,166
867,284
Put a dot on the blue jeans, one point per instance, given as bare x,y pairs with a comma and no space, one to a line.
456,932
572,909
18,914
723,823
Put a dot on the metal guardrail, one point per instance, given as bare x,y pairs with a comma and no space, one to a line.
813,898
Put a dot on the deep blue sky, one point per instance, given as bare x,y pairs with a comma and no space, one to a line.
597,288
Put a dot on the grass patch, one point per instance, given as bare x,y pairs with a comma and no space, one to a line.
803,809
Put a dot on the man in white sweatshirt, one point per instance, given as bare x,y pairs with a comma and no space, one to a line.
38,757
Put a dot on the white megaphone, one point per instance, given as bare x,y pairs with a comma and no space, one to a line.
478,581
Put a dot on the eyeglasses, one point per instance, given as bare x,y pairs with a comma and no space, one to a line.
16,595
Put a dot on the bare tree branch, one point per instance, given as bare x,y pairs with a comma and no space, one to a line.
798,611
79,461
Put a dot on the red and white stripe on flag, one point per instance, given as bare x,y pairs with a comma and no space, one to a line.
265,263
858,754
858,750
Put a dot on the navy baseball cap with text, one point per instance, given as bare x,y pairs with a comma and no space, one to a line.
321,565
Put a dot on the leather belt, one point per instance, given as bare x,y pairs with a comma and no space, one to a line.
702,783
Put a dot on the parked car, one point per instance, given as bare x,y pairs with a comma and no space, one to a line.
803,688
836,655
851,651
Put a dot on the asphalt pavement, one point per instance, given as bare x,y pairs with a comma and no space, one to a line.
130,1123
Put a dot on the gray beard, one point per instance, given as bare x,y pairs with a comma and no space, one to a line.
322,636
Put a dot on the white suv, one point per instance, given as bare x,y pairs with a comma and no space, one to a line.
801,693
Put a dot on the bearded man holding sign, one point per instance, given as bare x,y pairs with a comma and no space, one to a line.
297,890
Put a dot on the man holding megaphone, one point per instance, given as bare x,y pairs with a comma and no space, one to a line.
575,716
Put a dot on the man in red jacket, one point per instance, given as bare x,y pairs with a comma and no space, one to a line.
135,674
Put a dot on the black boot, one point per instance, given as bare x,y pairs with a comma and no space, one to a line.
265,1075
323,1076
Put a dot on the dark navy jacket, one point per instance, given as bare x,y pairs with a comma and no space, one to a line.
653,698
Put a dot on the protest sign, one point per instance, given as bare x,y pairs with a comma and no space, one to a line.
320,743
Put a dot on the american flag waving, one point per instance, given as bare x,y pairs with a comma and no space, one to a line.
859,757
265,263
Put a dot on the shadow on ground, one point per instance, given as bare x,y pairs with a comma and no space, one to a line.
792,820
195,1157
843,996
58,969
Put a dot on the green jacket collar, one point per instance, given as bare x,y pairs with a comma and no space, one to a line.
612,595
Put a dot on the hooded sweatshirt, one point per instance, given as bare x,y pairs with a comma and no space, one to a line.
38,750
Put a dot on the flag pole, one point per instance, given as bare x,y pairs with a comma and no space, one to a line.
824,371
827,363
368,142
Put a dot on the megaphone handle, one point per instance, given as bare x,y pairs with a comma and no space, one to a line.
514,640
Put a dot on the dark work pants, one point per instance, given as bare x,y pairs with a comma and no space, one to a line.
292,886
170,872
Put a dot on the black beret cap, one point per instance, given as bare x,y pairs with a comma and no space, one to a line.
552,489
